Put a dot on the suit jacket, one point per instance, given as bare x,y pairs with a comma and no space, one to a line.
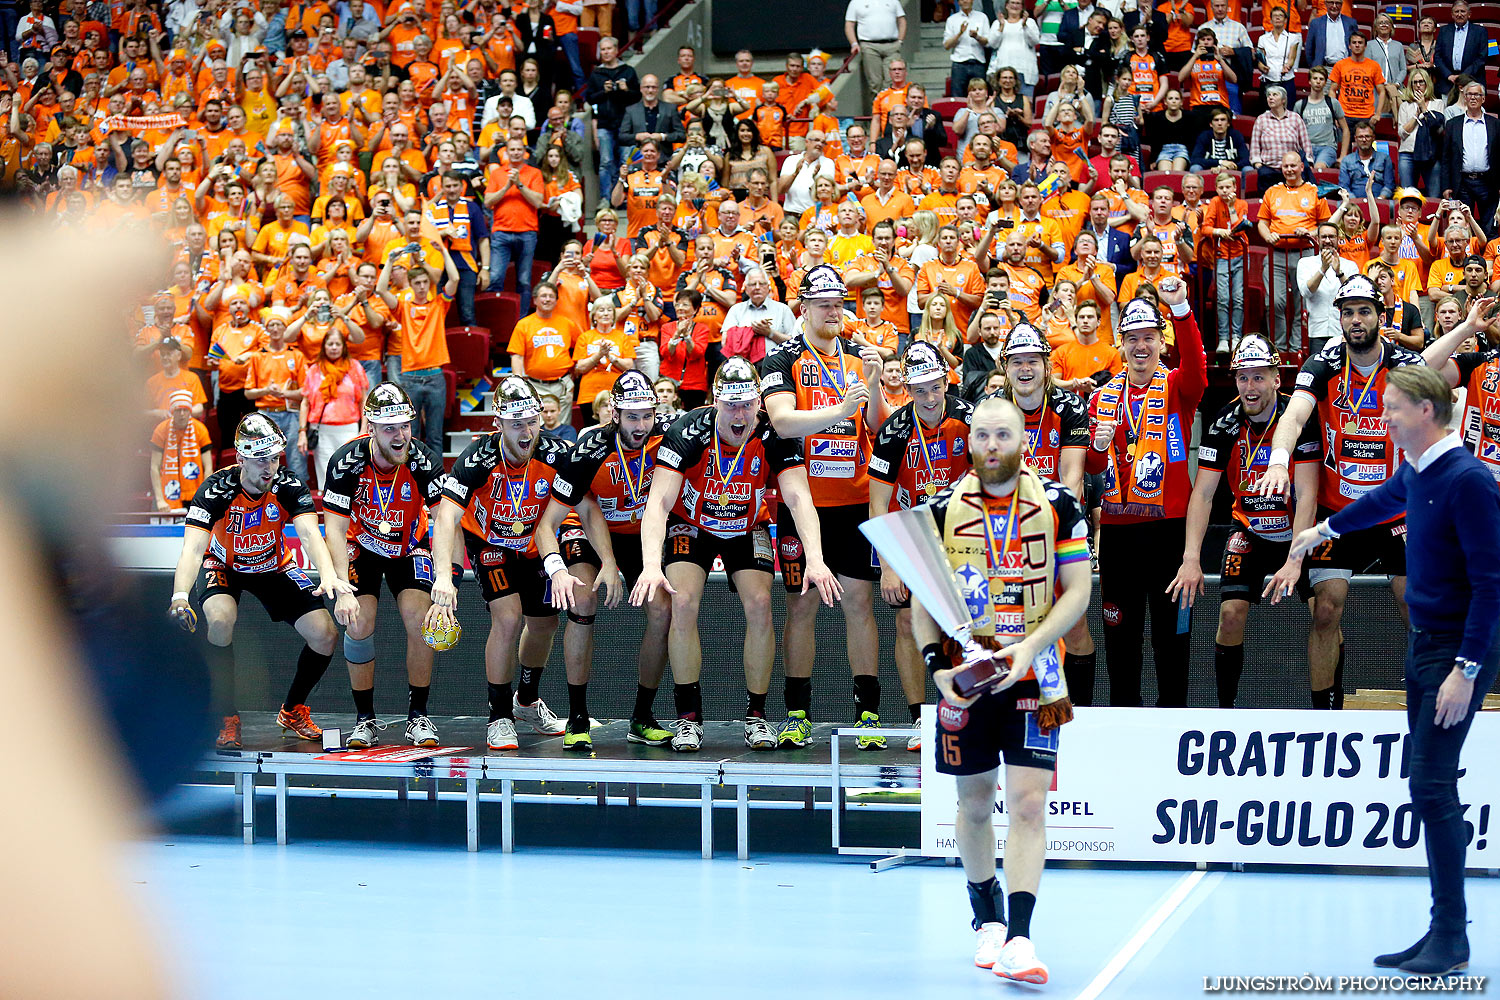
934,136
1476,49
1453,150
1316,51
667,121
1114,247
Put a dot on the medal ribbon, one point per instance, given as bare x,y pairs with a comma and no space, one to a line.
510,490
383,498
633,488
926,456
1349,384
734,466
989,532
825,377
1248,458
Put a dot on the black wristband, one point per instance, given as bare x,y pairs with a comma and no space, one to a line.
934,658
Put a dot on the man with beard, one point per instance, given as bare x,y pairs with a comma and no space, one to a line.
1344,383
496,493
376,497
1238,442
920,449
1143,419
698,508
234,541
814,392
609,476
1057,437
1025,596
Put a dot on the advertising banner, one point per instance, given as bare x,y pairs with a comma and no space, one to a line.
1231,785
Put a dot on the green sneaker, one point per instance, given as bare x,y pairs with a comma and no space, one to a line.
796,731
576,736
868,720
649,732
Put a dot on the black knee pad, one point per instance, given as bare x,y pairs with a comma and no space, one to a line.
580,619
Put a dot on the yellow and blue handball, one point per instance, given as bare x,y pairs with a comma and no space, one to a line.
442,634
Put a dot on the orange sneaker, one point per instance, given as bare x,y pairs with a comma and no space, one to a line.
298,720
229,733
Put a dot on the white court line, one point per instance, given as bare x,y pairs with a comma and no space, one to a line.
1116,965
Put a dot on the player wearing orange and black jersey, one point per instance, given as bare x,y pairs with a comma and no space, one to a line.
235,541
1479,373
496,492
608,475
816,392
1345,384
1238,444
920,449
1057,439
713,468
376,494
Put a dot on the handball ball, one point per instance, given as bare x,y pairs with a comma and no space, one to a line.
444,635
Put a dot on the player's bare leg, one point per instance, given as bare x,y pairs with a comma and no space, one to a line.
220,613
1229,650
534,649
578,656
359,655
500,669
686,653
414,605
912,673
1326,639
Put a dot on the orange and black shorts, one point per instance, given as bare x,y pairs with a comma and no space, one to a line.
502,572
998,726
286,594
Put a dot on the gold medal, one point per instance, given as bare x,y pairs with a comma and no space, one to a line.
930,489
1349,426
518,527
385,527
1130,453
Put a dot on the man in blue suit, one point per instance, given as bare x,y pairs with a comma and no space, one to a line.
1461,50
1328,39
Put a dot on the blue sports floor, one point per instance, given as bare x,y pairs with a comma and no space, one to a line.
373,906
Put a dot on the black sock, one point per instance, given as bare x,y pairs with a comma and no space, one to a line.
310,668
221,677
500,707
799,694
578,702
1078,671
689,699
1322,700
1021,905
1229,663
364,703
988,902
645,700
755,705
915,708
529,688
866,695
416,699
1338,680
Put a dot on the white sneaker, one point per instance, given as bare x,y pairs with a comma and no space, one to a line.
540,718
1223,345
758,734
991,940
689,736
420,732
1018,961
914,743
501,735
366,734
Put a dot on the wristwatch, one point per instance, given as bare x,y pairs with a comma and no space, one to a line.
1470,668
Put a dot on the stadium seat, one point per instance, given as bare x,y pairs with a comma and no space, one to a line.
1442,11
497,312
1364,14
1485,13
1243,124
468,351
948,108
1406,34
1326,175
1159,178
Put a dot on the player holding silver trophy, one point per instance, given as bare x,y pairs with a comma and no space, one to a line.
998,561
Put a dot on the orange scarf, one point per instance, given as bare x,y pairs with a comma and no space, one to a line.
1136,476
333,377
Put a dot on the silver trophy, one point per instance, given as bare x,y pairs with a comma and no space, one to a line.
908,543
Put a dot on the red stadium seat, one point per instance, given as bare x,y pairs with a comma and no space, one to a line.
1302,82
1364,14
1406,34
1159,178
468,351
1243,124
1327,175
588,48
497,312
948,108
1484,13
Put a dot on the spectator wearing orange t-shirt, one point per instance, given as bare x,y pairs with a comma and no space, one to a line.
422,317
172,378
181,455
541,348
1359,84
603,351
513,191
